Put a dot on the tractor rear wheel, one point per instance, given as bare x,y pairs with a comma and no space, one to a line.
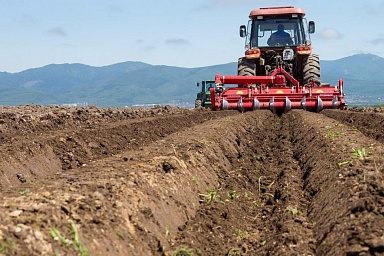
197,103
311,69
246,67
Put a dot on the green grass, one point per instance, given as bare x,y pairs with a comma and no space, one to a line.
57,236
359,153
332,134
233,195
211,195
243,235
344,162
75,239
77,244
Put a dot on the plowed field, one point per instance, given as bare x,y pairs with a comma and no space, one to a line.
172,181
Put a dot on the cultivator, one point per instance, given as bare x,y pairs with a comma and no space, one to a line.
271,92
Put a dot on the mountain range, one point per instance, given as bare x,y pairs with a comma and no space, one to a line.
136,83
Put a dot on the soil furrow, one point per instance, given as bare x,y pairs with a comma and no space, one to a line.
344,173
190,182
370,124
65,148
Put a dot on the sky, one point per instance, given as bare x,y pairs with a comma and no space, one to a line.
181,33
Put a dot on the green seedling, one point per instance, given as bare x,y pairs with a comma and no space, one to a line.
360,153
233,195
77,244
344,162
119,234
331,134
57,236
25,192
195,179
293,211
211,195
362,176
243,235
183,252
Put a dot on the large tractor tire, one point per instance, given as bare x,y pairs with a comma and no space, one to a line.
246,67
197,103
311,69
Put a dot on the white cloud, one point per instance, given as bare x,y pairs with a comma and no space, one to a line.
329,33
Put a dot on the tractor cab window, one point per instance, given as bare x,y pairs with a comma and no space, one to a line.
210,84
272,32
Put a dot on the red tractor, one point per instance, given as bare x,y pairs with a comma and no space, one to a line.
279,71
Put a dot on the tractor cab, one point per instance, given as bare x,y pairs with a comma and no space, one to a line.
282,30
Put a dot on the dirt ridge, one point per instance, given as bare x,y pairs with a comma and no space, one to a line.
168,181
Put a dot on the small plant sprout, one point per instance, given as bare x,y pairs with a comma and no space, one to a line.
77,244
233,195
243,235
360,153
293,211
183,252
211,195
331,134
57,236
362,176
119,234
195,179
344,162
25,192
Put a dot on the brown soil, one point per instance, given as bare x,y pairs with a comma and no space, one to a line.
172,181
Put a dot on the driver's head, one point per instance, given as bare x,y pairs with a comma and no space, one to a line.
280,27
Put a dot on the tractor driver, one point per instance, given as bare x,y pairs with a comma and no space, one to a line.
280,37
